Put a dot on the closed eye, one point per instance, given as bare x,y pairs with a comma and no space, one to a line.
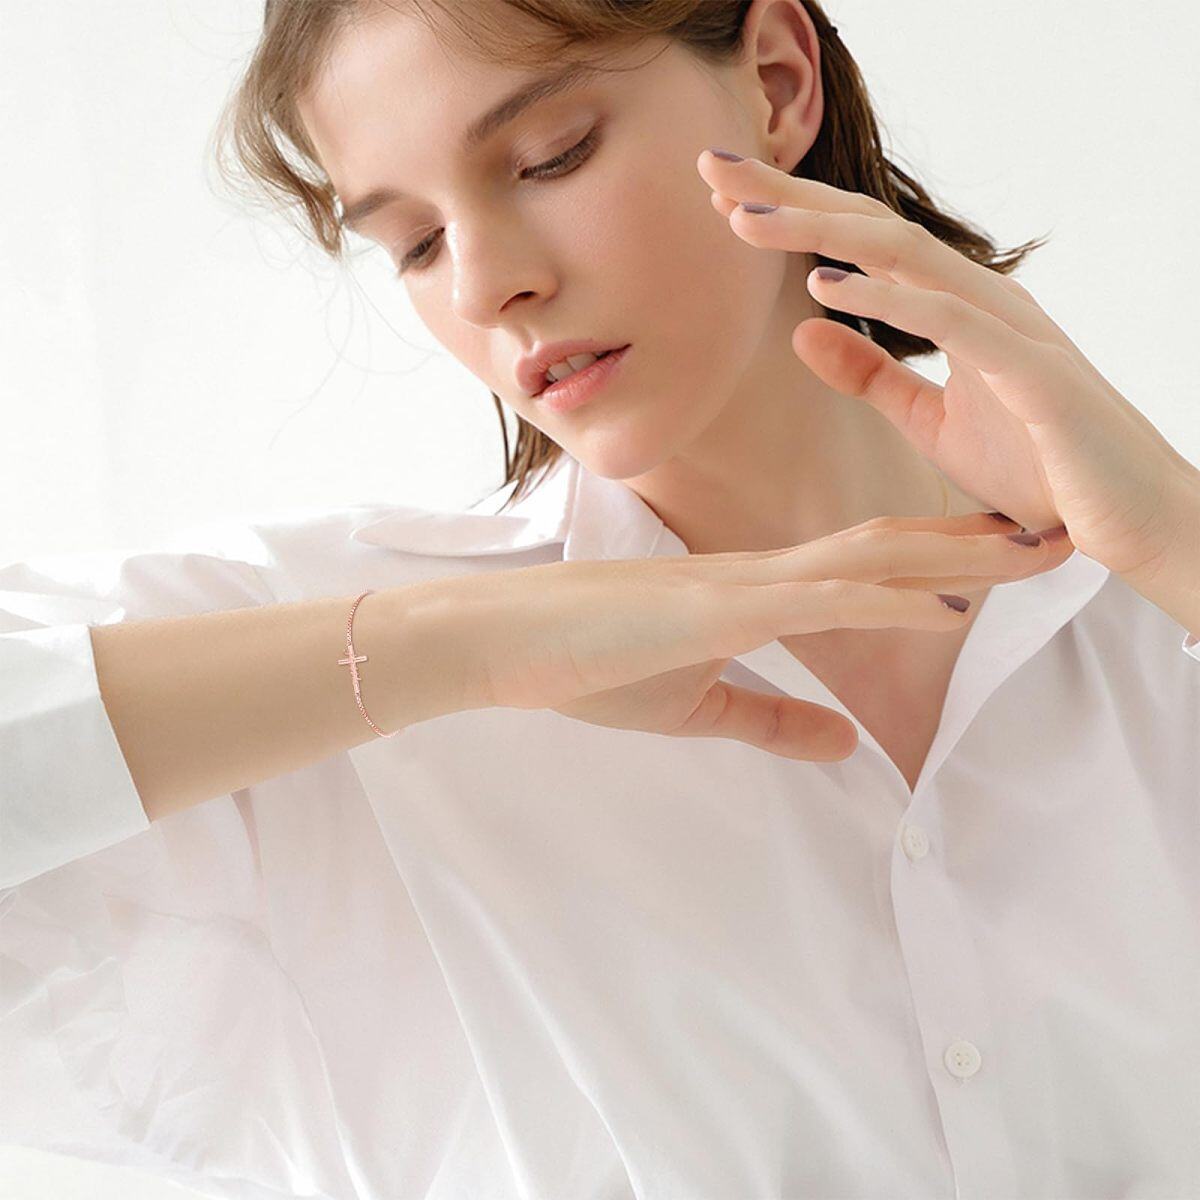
418,258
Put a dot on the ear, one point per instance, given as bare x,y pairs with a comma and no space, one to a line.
783,53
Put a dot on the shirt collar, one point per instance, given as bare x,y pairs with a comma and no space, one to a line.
537,519
599,518
591,516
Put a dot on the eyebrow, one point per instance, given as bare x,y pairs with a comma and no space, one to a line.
508,109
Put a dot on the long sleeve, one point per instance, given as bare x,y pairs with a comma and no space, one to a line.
145,1017
65,789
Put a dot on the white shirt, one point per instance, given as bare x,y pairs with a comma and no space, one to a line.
507,954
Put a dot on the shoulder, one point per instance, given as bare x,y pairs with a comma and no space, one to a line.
307,552
281,556
1139,645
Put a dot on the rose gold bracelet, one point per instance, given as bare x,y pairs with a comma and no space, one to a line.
352,660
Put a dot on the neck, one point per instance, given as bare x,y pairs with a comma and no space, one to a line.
791,466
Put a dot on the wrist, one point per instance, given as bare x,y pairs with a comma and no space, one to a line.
422,666
1171,580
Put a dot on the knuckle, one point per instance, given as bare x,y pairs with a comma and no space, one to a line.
1059,358
774,722
882,547
885,548
948,305
945,311
834,592
707,715
914,232
875,368
1017,289
868,536
878,523
896,249
880,531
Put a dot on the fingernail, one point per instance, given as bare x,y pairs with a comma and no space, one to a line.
1026,539
728,155
832,274
1054,533
958,603
758,208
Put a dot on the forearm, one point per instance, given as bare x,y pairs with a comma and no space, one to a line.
203,705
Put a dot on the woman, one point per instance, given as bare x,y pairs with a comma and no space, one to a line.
513,954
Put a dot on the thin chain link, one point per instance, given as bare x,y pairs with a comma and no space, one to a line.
352,660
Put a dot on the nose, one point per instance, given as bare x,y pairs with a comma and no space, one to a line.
495,268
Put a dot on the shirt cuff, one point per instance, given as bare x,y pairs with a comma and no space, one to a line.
65,788
1191,645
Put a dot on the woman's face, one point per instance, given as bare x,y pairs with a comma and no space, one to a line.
619,243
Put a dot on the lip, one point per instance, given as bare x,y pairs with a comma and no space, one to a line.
582,386
532,367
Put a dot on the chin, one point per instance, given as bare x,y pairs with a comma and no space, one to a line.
615,458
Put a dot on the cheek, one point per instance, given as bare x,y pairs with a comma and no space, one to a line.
669,267
644,255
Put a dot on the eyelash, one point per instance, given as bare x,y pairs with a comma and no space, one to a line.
417,258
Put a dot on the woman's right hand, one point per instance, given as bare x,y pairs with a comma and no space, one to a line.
641,643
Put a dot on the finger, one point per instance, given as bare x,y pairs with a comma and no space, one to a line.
980,339
782,725
753,179
875,554
856,366
880,555
906,252
962,585
736,618
976,522
1058,547
972,522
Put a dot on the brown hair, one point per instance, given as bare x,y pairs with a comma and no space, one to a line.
274,154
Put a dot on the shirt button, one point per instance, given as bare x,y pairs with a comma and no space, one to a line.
962,1059
915,841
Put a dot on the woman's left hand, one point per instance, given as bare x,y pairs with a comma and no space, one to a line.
1024,422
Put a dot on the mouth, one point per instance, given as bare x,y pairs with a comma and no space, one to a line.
584,385
547,382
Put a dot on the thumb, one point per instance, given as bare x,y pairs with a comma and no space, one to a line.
858,367
781,725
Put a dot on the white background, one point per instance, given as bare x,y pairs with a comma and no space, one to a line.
168,357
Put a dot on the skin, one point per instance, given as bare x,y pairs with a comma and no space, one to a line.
743,422
715,422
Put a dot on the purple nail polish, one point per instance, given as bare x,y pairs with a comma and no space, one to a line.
1025,539
832,274
958,603
728,155
1054,533
758,208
